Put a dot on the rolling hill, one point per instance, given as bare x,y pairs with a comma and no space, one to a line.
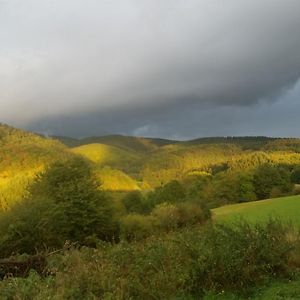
130,163
102,154
138,144
157,161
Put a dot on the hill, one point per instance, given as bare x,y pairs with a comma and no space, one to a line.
137,161
138,144
285,208
114,166
22,155
246,142
157,161
102,154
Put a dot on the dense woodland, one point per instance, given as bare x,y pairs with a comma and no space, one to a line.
134,206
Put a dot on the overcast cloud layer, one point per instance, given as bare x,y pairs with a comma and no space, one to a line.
168,68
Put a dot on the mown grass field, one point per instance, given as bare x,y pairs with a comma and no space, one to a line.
286,209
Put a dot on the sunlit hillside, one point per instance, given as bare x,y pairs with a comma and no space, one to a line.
22,155
116,180
102,154
156,161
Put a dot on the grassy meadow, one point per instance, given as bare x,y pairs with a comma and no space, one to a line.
285,209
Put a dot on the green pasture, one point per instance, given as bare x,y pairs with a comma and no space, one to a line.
285,208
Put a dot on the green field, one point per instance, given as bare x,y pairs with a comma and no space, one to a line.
286,209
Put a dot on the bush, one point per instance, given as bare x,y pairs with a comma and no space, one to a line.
167,216
241,256
193,213
136,227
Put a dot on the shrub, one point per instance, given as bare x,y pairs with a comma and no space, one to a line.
136,227
237,257
192,213
167,216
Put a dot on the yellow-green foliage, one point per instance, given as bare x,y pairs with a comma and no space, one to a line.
64,203
116,180
102,155
13,188
177,161
165,217
22,155
290,144
136,163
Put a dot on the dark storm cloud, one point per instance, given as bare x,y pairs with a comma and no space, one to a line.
135,66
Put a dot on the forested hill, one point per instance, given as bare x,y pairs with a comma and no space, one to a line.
126,163
138,144
147,144
22,155
21,150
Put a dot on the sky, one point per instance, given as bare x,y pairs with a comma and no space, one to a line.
176,69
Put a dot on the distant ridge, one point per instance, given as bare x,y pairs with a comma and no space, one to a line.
139,144
144,144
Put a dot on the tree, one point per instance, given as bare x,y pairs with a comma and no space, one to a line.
268,178
295,176
172,192
64,203
135,203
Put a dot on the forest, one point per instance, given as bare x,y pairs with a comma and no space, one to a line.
119,217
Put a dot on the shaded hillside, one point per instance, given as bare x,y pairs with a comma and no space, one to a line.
146,144
246,143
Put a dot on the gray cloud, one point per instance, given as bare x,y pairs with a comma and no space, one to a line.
135,66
